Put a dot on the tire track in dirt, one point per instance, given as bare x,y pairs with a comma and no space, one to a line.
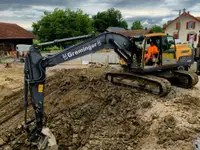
10,106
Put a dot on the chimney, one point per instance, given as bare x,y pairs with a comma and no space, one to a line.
184,10
188,12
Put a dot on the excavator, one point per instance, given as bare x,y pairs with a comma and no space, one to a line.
171,66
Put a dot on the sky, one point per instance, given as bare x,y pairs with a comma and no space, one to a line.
149,12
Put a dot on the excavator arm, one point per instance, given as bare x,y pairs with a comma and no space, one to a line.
36,64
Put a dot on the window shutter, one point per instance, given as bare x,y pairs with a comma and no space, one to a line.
188,37
194,25
195,37
177,25
175,35
186,25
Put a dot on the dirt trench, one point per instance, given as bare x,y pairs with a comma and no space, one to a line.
84,111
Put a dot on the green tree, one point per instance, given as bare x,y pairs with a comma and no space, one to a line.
100,25
156,29
136,25
62,24
110,17
124,24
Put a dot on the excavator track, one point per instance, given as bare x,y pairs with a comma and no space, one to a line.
149,83
185,79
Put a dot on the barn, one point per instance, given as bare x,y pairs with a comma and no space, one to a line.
11,35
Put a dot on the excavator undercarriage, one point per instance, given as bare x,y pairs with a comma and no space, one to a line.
153,84
182,78
158,83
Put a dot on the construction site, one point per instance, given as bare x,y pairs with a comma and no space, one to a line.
84,111
146,96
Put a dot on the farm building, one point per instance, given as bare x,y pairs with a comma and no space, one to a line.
11,35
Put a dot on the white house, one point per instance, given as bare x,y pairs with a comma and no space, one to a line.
189,28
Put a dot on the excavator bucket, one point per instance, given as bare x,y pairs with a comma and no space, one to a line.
197,144
48,142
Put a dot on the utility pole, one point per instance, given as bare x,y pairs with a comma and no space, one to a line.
179,23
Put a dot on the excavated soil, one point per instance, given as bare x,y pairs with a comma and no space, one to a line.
84,111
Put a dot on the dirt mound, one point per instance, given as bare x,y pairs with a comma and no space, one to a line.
11,80
168,132
84,111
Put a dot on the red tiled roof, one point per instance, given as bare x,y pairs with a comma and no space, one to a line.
186,14
198,18
135,32
13,31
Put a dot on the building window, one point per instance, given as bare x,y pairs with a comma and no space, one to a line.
175,35
190,25
177,25
191,37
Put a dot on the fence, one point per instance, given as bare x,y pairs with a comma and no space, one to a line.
8,56
101,57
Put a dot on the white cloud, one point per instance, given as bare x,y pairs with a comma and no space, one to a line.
45,8
145,23
6,13
146,12
93,8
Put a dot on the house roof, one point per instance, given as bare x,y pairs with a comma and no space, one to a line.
14,31
135,32
198,18
114,29
155,34
183,14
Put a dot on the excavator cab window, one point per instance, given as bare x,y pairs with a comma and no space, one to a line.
152,52
137,42
168,50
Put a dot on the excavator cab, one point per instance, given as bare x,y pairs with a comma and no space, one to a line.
166,48
169,65
168,55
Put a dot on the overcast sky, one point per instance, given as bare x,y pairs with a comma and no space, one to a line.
25,12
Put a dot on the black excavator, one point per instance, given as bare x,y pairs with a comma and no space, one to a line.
156,79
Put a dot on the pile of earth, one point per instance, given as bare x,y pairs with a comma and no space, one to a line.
84,111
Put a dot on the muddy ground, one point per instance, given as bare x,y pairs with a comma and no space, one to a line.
84,111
